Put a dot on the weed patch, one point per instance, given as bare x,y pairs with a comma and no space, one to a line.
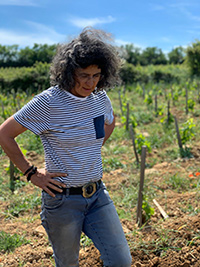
9,242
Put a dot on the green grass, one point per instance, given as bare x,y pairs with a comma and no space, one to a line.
9,242
30,142
21,203
177,182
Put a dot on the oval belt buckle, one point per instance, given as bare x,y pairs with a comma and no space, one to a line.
89,189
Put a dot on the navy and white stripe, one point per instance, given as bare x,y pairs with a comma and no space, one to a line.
71,130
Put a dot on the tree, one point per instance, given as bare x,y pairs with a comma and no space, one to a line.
8,55
39,53
193,58
177,55
128,73
132,54
154,56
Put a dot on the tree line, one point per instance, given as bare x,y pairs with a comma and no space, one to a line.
13,56
28,68
152,55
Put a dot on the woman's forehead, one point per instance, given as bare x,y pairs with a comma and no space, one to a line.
90,69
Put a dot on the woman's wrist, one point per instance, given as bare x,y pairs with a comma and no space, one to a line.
32,171
29,169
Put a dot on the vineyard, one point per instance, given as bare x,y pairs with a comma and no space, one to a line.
162,117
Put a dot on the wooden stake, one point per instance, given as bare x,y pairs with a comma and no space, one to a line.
120,102
143,89
178,133
186,100
140,193
168,112
133,141
156,105
127,116
12,176
124,90
198,93
172,96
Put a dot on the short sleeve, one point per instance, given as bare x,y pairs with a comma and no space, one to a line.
109,112
35,115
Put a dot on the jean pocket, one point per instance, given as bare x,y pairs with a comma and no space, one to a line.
99,126
50,202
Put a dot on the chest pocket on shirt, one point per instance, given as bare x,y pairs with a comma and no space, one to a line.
99,126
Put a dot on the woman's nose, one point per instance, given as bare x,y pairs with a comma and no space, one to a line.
90,81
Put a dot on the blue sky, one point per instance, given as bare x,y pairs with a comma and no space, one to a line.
144,23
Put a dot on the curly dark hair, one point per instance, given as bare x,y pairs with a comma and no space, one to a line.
91,47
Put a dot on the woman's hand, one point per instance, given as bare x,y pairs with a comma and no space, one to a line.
43,179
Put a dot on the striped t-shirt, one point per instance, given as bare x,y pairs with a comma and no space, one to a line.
71,130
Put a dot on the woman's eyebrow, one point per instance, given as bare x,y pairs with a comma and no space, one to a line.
85,73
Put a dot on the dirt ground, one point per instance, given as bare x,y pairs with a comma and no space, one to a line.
173,242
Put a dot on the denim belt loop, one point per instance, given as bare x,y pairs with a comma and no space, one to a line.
67,192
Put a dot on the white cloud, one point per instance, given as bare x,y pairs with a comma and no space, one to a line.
166,39
121,42
18,3
82,22
40,34
191,16
184,9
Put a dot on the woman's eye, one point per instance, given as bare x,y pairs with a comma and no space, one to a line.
97,75
83,76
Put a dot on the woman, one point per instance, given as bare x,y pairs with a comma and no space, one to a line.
73,118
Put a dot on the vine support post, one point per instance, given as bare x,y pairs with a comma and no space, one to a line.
127,116
156,105
124,90
172,96
143,90
178,133
198,94
133,141
186,100
168,112
120,102
12,176
140,192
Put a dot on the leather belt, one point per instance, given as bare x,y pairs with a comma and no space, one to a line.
86,190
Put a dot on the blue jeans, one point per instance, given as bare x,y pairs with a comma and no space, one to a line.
66,216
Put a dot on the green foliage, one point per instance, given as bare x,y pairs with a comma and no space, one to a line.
149,98
167,120
129,74
132,54
31,142
22,203
153,55
141,141
148,210
32,79
178,183
177,55
187,131
143,117
110,164
193,58
9,242
85,241
191,104
12,56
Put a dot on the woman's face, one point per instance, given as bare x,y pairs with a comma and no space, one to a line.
86,80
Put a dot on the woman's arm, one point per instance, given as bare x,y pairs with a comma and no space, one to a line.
108,130
8,131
